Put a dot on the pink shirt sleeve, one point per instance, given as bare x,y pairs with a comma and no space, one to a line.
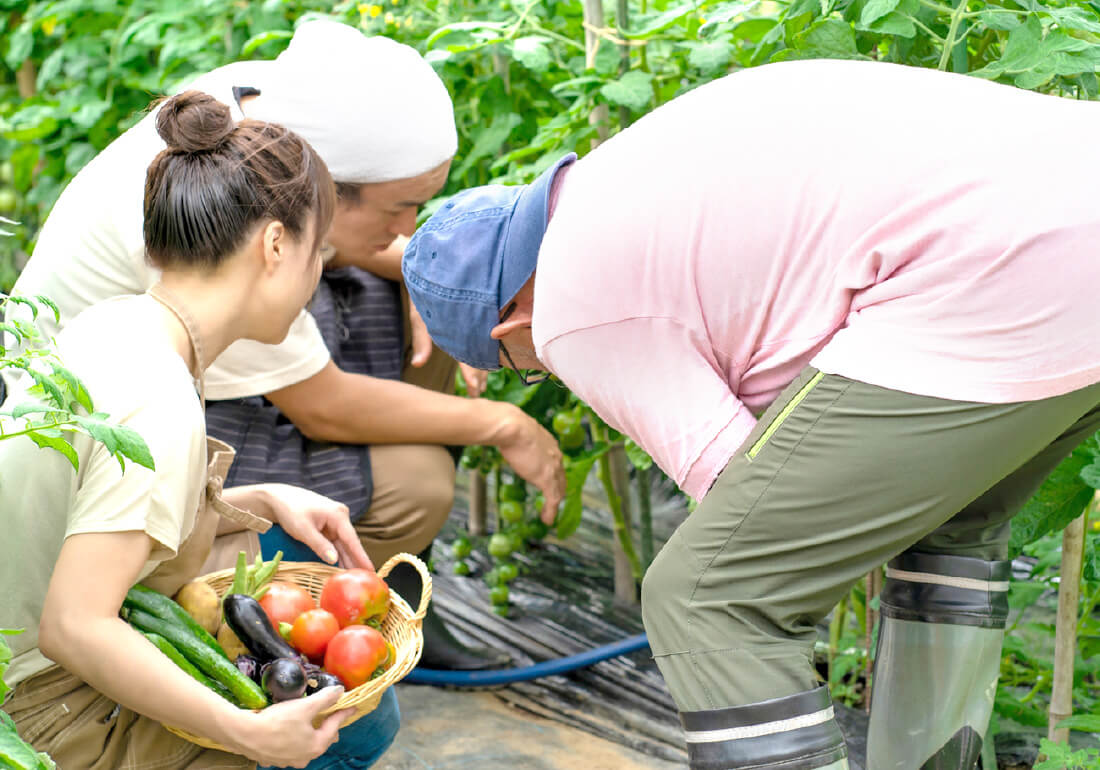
653,380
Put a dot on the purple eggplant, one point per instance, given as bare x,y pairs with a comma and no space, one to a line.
283,679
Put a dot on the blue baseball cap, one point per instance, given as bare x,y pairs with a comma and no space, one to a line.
471,258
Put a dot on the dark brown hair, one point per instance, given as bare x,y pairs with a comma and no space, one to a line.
218,179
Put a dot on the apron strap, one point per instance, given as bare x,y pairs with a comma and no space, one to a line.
166,298
221,456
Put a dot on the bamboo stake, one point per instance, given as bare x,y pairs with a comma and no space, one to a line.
874,588
25,78
1065,634
479,498
626,588
594,20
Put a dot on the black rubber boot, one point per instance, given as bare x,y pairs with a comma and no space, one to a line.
441,649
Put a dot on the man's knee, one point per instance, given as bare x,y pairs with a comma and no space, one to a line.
413,489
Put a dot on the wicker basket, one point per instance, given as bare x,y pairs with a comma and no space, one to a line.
401,628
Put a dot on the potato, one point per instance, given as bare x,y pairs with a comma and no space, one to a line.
230,643
201,602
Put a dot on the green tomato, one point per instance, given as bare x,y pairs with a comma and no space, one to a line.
517,491
564,421
573,438
536,530
508,572
7,172
498,594
8,199
461,568
461,547
511,512
501,545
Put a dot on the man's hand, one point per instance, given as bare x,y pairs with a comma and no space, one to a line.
533,453
319,522
475,379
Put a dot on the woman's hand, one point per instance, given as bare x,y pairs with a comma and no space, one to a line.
534,454
283,734
320,522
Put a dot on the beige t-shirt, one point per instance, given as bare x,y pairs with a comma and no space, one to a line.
92,248
131,372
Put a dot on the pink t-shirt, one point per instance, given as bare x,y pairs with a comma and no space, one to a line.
926,232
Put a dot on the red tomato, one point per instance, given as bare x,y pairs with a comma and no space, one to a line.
355,596
312,631
284,602
354,654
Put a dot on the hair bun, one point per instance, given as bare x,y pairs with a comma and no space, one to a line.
194,122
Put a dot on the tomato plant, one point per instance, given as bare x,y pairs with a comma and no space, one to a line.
355,596
284,602
355,653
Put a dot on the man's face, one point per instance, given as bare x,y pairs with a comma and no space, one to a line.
384,211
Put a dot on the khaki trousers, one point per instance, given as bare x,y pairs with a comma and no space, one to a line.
837,478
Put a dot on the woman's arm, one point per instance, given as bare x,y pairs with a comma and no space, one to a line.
318,521
81,630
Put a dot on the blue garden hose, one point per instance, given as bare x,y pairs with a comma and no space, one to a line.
527,673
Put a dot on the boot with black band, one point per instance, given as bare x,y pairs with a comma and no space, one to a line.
937,661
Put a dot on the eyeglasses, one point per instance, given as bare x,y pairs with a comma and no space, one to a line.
525,375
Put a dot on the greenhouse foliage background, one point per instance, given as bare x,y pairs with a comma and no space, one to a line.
76,73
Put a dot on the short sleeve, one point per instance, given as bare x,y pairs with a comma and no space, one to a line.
652,379
160,502
250,368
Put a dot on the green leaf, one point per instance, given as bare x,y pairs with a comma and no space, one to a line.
491,31
633,90
256,41
1024,593
1089,723
75,386
569,518
20,44
724,12
646,25
532,52
876,9
1090,474
28,303
1060,500
897,24
24,160
30,123
710,56
827,38
77,156
490,139
52,439
1073,17
637,456
43,300
49,388
89,113
119,440
34,407
753,30
17,753
1090,569
999,19
1023,49
1034,78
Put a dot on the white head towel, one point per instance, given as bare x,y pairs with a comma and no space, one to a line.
373,108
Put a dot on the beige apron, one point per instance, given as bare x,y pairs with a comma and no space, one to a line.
84,730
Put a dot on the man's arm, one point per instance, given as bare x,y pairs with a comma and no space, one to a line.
338,406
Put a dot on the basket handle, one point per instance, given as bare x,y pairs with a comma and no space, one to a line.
425,579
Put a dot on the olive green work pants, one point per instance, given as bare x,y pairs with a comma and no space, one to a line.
837,478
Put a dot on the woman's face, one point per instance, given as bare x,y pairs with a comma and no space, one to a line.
288,286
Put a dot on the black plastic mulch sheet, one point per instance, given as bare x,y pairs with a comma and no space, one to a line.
562,604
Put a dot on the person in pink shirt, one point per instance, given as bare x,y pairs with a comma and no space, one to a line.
855,337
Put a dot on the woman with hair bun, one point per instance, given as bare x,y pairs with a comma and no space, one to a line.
234,216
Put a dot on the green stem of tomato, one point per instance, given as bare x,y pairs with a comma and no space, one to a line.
615,502
952,32
645,516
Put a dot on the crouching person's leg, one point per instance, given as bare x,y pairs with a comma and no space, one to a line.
365,740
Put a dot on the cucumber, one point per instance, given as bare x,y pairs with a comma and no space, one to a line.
160,606
188,667
218,667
